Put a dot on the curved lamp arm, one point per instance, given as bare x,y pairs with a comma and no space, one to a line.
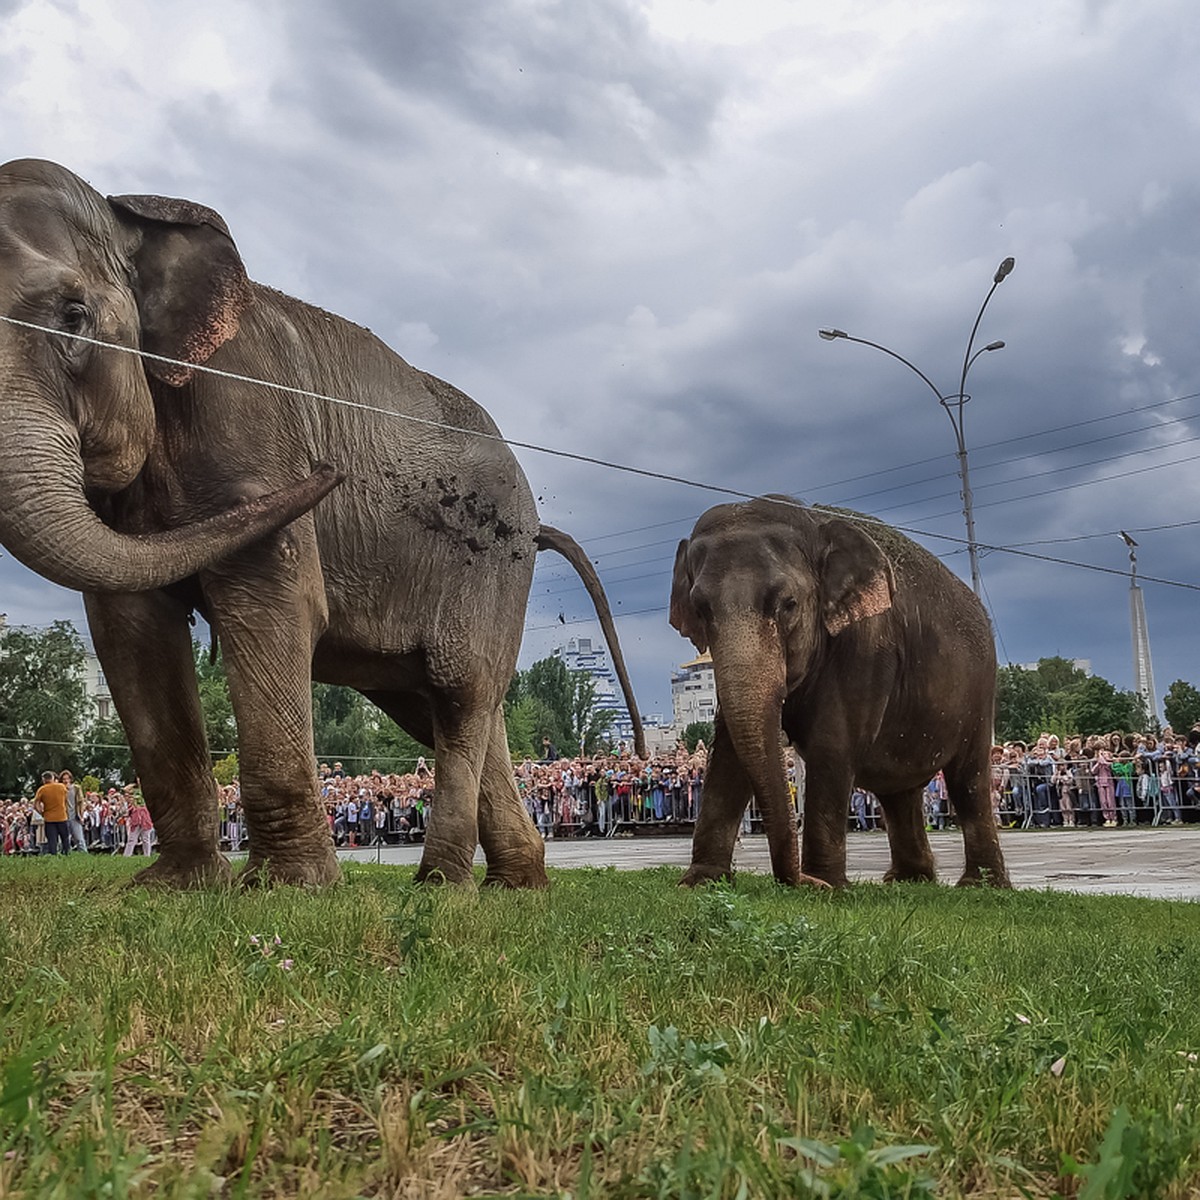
831,335
1003,271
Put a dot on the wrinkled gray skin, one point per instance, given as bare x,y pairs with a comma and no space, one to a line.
874,660
156,490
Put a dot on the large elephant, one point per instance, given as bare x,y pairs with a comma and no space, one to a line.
158,489
874,659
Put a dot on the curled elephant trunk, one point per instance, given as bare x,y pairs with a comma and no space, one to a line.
749,666
47,523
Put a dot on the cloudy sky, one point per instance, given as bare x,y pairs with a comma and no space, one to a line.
619,224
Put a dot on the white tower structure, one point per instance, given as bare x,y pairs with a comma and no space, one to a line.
1143,667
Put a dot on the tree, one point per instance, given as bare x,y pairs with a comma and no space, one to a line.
548,682
226,771
1059,674
1181,706
548,701
43,702
697,732
397,750
348,728
1104,708
524,718
1020,702
1057,697
220,727
590,724
106,751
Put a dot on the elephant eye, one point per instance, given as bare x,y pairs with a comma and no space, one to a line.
74,317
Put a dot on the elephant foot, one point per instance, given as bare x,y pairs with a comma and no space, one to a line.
209,870
976,876
906,874
521,863
319,871
444,873
532,879
517,875
814,881
833,878
701,873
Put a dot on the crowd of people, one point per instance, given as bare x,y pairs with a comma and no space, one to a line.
1110,780
582,796
61,816
1104,781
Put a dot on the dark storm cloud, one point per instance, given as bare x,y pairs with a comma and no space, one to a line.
623,243
584,82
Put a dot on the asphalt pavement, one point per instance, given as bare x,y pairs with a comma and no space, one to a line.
1163,862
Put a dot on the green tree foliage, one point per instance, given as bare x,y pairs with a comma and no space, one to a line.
43,702
219,724
1181,706
697,732
226,771
524,719
548,701
1019,703
1057,697
348,728
1103,708
106,751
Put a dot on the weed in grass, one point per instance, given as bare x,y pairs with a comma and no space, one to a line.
685,1060
856,1169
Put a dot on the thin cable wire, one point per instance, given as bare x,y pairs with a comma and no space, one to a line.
1055,470
574,456
1066,487
85,743
428,422
1084,537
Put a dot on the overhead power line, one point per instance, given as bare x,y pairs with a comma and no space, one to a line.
566,454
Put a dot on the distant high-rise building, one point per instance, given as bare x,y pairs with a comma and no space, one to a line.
582,654
694,692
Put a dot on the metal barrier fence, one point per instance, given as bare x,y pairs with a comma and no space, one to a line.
1141,791
1073,792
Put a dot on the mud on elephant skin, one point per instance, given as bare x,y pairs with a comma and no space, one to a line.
158,489
868,654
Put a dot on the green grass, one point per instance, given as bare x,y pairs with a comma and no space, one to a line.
614,1036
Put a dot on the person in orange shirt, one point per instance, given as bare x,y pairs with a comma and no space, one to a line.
51,802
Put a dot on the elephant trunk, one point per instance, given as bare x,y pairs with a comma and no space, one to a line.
751,679
47,523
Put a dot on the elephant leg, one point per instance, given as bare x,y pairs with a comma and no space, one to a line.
515,852
461,732
969,789
726,792
912,859
826,814
268,612
144,644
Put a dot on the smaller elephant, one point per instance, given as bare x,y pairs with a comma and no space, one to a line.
875,660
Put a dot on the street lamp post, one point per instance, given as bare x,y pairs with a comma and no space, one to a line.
1143,664
953,404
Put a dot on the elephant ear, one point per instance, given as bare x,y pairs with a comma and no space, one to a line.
683,616
188,279
856,577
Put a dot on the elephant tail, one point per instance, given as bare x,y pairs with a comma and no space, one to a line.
550,538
